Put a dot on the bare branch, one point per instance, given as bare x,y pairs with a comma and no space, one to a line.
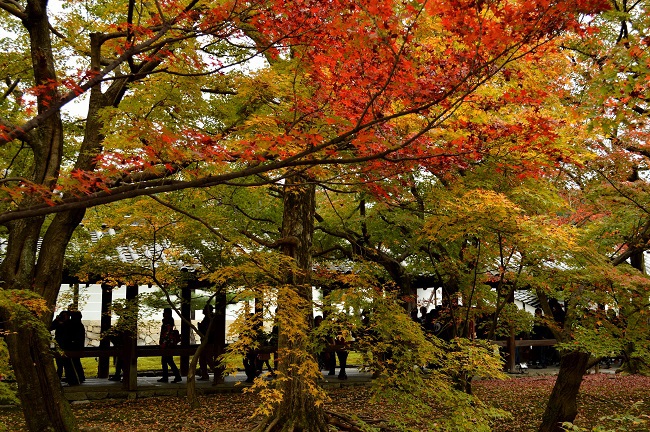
12,87
219,91
14,9
13,179
91,82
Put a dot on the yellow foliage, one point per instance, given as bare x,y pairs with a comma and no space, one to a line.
30,301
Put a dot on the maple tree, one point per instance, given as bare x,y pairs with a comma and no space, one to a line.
347,84
537,246
608,195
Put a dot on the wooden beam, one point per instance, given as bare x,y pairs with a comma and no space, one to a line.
105,324
130,380
528,342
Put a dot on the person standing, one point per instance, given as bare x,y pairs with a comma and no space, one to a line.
250,354
59,326
340,344
168,340
65,337
119,336
207,355
77,342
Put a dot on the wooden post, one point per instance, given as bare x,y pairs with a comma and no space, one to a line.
130,381
511,347
75,295
105,324
258,307
220,329
186,307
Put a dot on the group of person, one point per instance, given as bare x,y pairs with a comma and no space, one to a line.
440,324
434,323
263,345
168,338
258,353
70,335
335,348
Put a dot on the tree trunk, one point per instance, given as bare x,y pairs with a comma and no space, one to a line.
39,387
633,364
298,410
192,397
29,341
28,269
24,267
562,405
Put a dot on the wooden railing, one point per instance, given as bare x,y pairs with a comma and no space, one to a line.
529,342
157,351
130,356
140,351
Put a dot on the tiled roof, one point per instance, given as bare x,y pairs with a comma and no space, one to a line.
126,253
527,297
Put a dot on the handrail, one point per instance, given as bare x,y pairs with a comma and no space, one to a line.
156,350
529,342
143,351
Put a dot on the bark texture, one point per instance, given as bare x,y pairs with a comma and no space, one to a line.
29,341
297,411
25,267
562,405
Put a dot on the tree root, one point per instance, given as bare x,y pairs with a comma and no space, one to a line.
267,426
341,421
341,425
347,423
271,425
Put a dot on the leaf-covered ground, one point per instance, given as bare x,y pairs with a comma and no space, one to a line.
602,395
601,398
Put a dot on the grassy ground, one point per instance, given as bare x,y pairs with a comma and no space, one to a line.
613,402
153,364
144,364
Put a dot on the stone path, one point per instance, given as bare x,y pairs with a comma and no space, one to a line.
148,386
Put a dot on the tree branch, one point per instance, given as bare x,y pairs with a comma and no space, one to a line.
14,9
91,82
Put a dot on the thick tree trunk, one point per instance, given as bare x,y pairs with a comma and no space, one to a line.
562,405
33,363
39,387
298,410
28,269
24,267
